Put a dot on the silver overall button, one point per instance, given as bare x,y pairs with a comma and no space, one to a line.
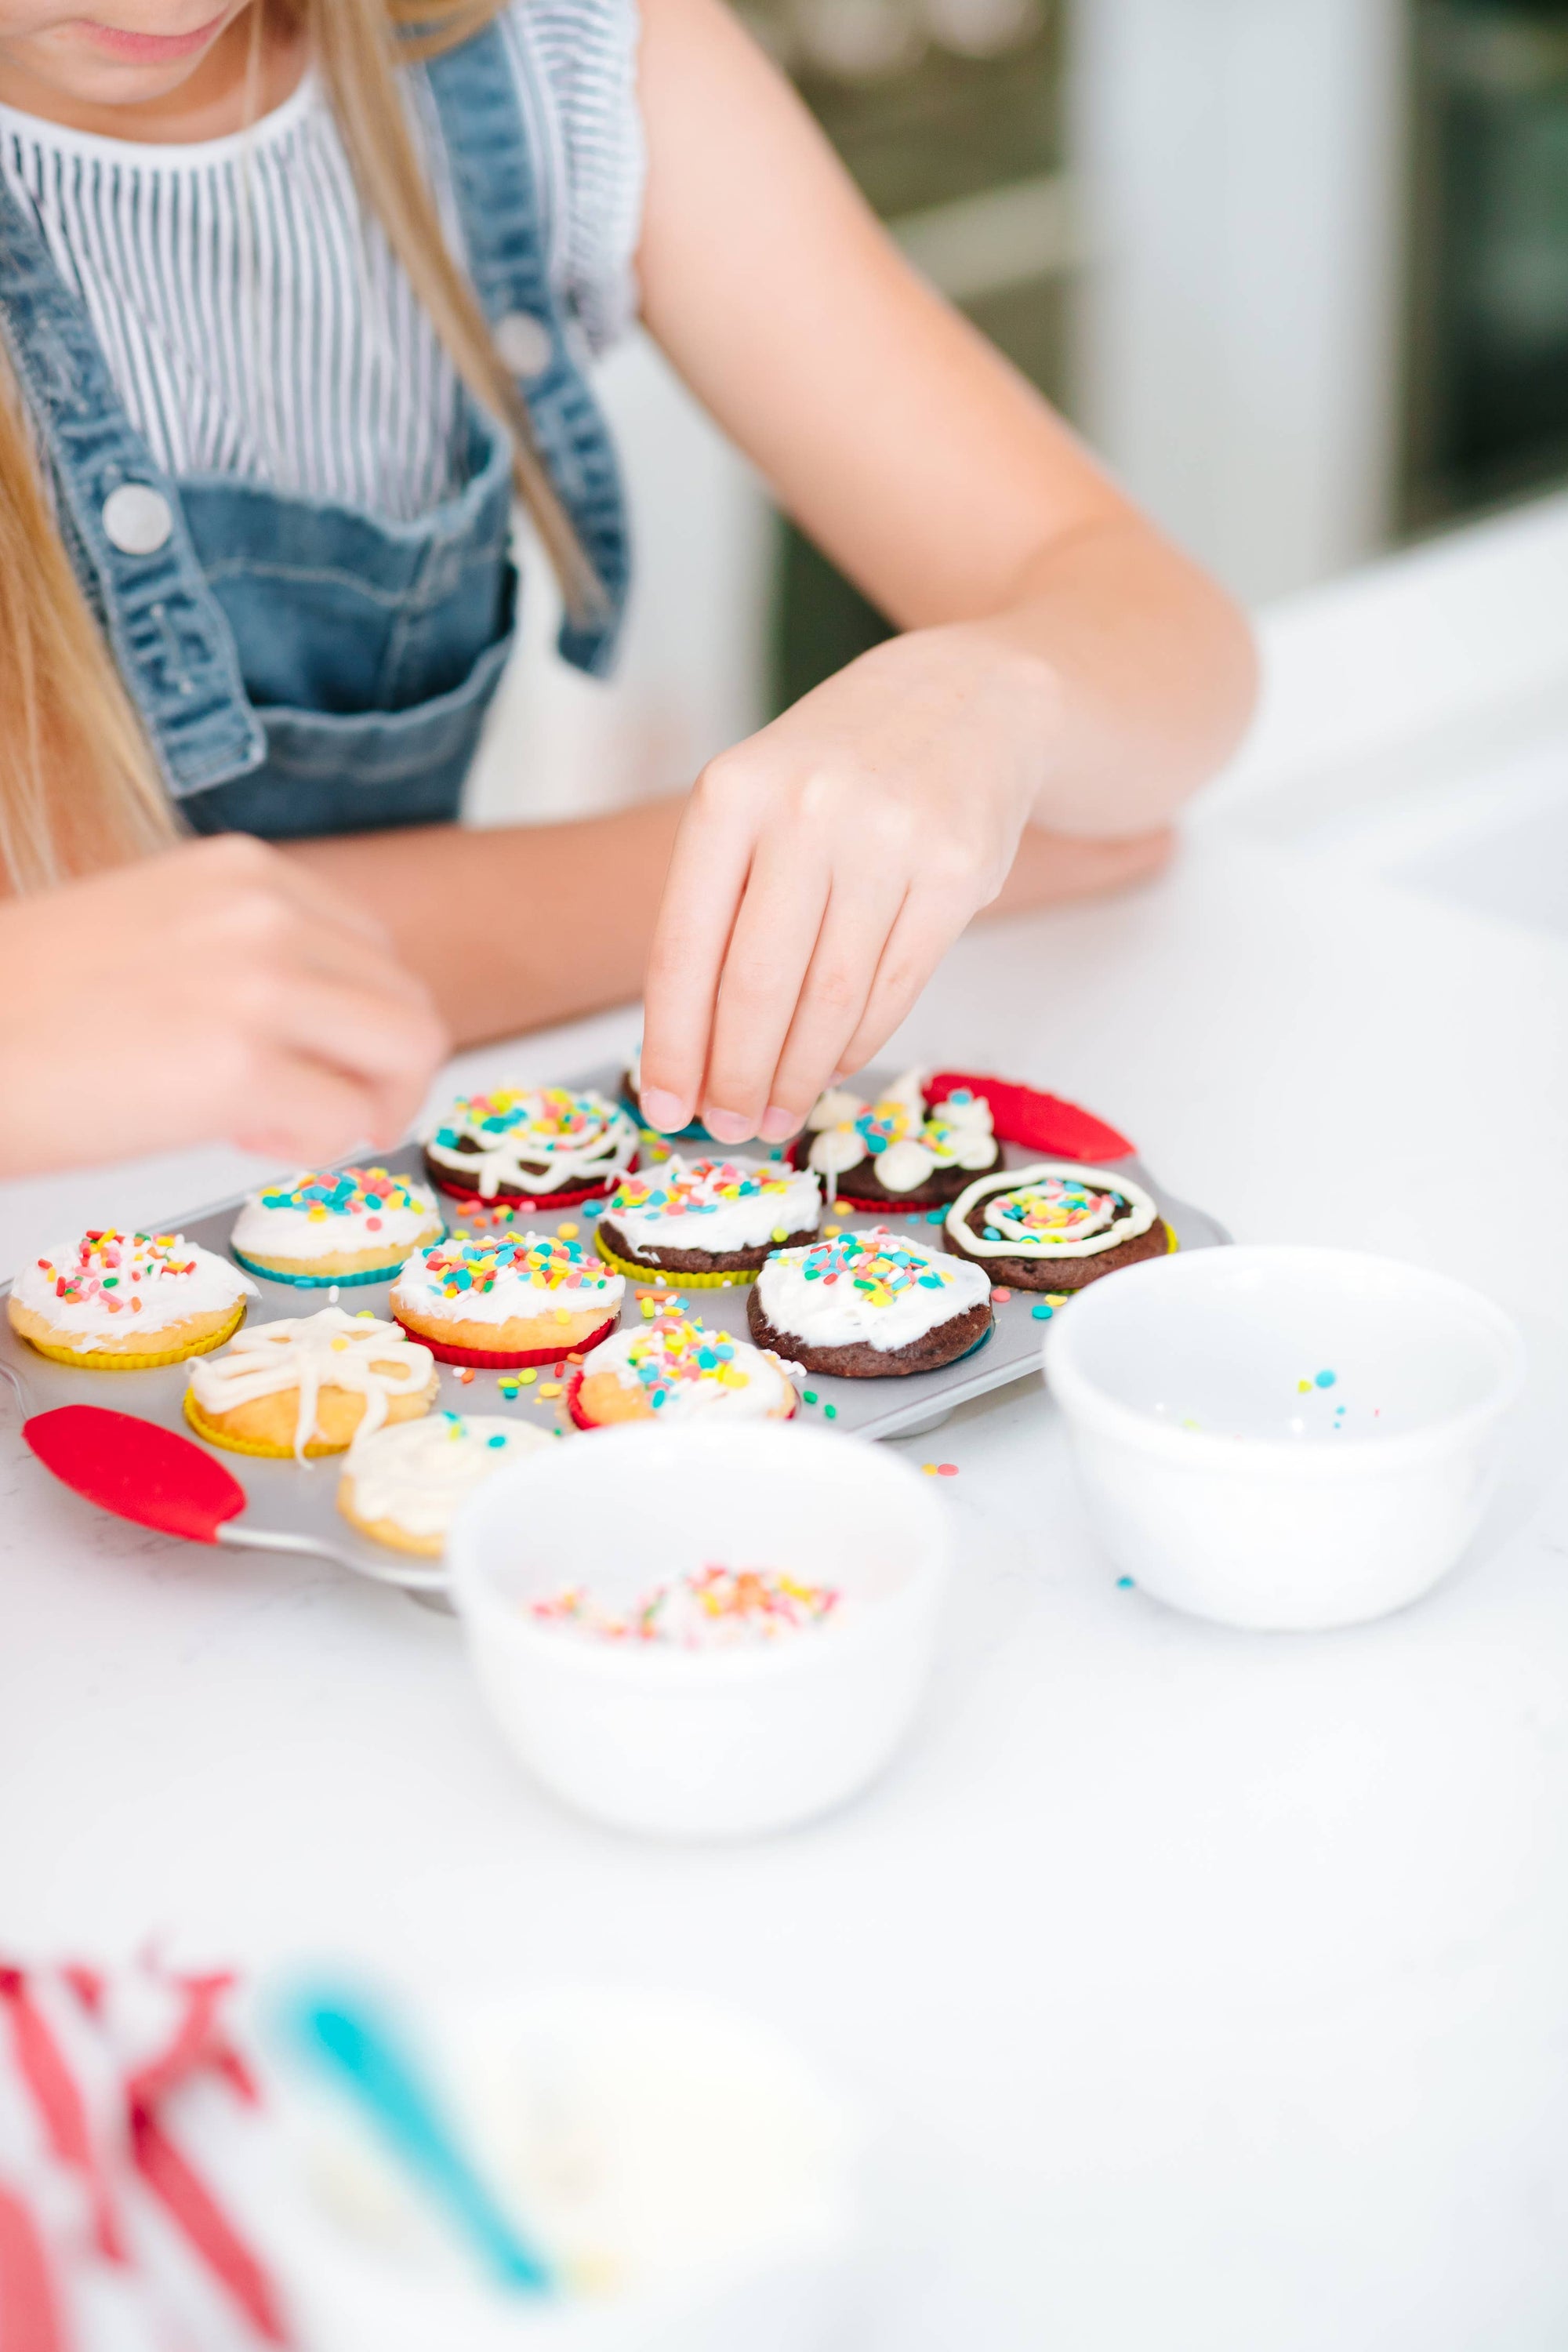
524,342
137,518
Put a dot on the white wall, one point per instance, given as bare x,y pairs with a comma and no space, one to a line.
1242,168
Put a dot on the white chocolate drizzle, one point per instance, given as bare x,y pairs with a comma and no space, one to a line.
312,1352
1089,1224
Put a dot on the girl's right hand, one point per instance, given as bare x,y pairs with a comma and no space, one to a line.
216,992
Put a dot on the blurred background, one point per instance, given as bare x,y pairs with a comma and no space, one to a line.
1296,269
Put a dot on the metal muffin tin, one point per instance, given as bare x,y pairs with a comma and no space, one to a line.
296,1503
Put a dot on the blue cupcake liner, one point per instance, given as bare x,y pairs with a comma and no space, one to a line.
322,1281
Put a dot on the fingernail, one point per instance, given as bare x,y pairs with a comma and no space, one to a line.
665,1111
777,1123
729,1126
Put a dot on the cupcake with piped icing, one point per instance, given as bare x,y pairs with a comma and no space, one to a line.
120,1302
404,1485
673,1368
899,1151
869,1305
501,1301
334,1225
530,1147
708,1222
309,1384
1057,1225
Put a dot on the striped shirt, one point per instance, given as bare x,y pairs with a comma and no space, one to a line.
254,318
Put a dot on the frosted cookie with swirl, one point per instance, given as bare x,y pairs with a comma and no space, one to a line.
1056,1226
867,1305
118,1302
309,1384
404,1485
708,1222
339,1225
899,1151
673,1367
540,1147
502,1301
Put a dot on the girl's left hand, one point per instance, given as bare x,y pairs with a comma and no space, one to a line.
824,866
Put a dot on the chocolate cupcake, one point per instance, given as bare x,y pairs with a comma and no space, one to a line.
541,1146
700,1222
1056,1226
867,1305
900,1153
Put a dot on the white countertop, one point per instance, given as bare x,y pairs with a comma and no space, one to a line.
1211,1985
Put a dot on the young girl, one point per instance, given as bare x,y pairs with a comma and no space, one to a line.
295,295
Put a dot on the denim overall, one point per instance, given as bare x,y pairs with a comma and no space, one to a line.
303,668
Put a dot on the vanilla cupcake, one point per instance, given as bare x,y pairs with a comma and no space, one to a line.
865,1305
335,1225
309,1384
501,1301
708,1222
403,1486
672,1367
540,1147
118,1302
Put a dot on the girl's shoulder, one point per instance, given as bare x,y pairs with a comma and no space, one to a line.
575,63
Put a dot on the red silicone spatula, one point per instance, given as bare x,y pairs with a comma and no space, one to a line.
140,1471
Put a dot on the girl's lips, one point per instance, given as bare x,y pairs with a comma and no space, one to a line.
149,48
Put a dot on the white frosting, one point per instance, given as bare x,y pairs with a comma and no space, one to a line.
1087,1236
416,1472
836,1314
533,1149
312,1352
260,1232
763,1388
716,1216
516,1293
127,1283
956,1133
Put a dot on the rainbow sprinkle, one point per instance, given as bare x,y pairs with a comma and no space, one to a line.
1056,1209
672,1353
344,1192
469,1265
109,1265
877,1263
555,1117
711,1608
703,1186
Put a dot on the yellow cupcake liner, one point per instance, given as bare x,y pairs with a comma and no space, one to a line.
100,1361
254,1446
647,1275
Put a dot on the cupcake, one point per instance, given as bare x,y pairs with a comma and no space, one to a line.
524,1298
703,1222
1056,1226
402,1485
540,1148
672,1367
309,1384
869,1304
123,1302
901,1152
338,1225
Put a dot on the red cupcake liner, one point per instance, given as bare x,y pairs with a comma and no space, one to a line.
580,1421
486,1360
475,1203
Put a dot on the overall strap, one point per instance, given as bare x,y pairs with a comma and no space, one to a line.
498,192
120,520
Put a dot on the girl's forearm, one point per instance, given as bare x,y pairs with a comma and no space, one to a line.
518,927
1146,674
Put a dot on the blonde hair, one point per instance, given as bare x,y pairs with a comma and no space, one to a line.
78,785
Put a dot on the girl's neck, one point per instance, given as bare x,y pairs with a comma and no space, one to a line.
247,72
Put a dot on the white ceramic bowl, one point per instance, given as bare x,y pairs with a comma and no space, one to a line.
703,1744
1284,1438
